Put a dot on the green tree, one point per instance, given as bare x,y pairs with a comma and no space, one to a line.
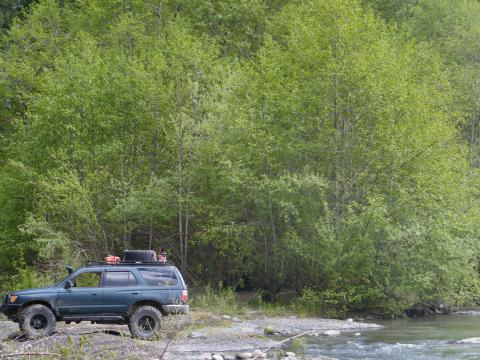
335,164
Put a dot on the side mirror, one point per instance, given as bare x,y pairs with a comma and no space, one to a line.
69,269
68,284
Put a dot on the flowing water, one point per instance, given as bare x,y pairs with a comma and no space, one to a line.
426,338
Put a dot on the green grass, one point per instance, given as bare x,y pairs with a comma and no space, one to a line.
225,301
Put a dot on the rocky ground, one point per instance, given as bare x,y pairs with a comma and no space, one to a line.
204,337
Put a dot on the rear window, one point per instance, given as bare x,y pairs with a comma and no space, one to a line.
159,276
120,278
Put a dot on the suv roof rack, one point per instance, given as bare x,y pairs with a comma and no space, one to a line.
131,263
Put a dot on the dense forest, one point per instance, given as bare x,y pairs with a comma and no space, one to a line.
329,146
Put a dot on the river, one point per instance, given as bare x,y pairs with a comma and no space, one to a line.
428,338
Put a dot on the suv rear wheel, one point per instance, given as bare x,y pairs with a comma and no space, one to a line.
37,320
145,322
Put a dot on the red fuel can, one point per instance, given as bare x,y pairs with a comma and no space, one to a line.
111,259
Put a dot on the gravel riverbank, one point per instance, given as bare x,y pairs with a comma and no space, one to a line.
181,338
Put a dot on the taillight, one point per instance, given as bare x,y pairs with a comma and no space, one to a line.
184,296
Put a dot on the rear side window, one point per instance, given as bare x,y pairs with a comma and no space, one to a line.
159,276
120,278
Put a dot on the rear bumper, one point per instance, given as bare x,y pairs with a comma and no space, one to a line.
176,309
11,310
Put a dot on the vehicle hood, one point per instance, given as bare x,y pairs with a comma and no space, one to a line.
42,290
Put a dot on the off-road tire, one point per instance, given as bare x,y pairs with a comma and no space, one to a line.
37,320
139,255
145,322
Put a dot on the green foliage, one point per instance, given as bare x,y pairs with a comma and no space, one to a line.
393,10
330,146
17,185
9,9
221,300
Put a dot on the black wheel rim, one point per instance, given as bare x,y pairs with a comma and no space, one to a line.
146,324
38,322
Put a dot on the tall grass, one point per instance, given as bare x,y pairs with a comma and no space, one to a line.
219,300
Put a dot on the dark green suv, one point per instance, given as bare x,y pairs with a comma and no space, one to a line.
133,293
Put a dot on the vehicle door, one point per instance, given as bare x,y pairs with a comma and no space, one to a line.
120,289
84,297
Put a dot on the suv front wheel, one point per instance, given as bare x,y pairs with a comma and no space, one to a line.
145,322
37,320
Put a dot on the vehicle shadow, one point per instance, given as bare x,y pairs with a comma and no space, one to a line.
17,336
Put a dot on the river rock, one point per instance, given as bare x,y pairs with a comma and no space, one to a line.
236,319
196,335
474,340
350,320
226,317
332,333
217,357
258,354
357,334
290,354
207,356
243,355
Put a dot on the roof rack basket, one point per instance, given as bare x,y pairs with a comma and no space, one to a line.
131,263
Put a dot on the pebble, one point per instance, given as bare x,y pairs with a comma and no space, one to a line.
217,357
243,355
350,320
332,333
226,317
259,354
290,354
195,335
207,357
357,334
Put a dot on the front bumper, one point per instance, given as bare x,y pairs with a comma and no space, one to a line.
11,310
176,309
